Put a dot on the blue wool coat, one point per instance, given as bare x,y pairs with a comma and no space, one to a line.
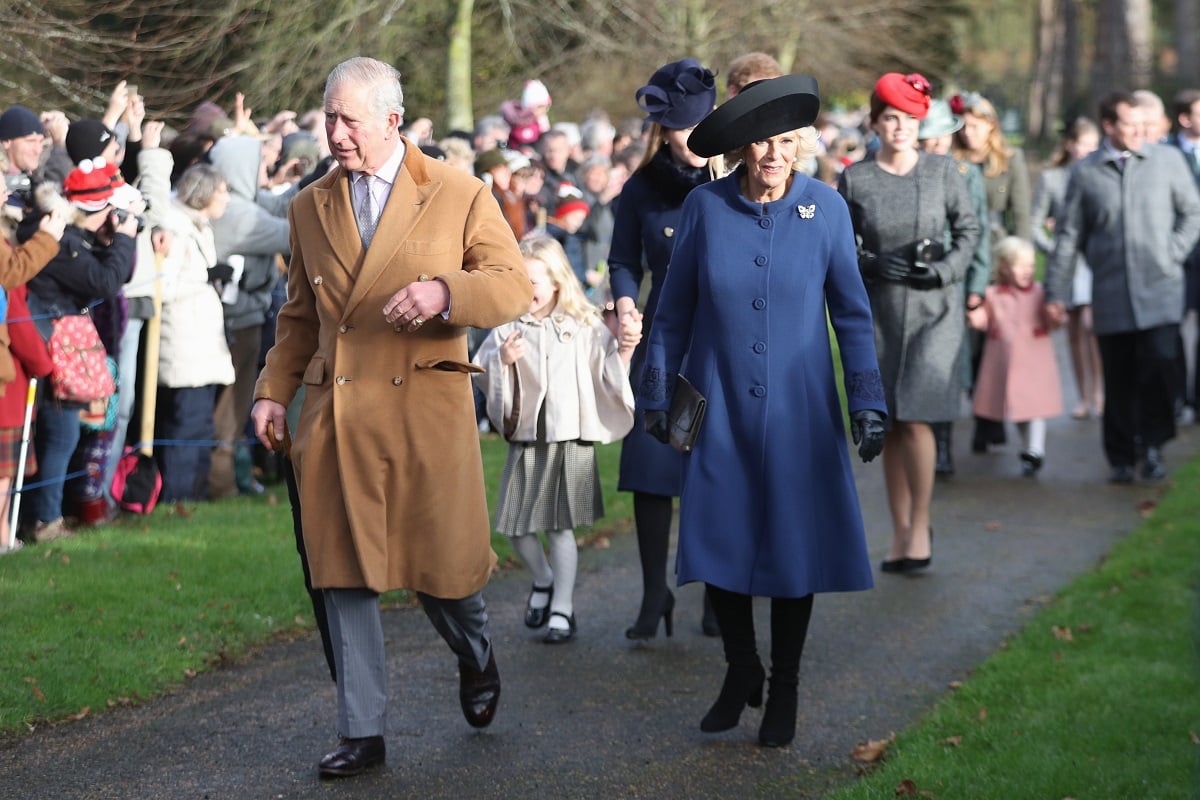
769,505
643,234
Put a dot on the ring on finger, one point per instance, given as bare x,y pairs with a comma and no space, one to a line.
418,322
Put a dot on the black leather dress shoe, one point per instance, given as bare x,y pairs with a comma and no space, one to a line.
1152,465
352,756
1121,473
479,692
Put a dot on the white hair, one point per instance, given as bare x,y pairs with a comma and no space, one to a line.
386,94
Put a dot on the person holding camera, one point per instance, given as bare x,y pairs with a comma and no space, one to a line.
902,202
95,258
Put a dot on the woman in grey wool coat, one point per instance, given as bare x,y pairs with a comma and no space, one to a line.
901,203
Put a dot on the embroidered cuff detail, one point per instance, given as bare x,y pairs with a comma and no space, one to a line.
865,385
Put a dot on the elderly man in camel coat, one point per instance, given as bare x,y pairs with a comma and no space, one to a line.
393,256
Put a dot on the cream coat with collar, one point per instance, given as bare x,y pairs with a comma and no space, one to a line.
386,450
572,369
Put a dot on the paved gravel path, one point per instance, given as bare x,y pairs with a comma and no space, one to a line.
603,717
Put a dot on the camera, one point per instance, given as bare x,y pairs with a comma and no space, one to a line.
20,185
928,251
121,214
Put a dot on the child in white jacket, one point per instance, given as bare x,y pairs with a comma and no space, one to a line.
556,382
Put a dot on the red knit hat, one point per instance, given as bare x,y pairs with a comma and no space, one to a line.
569,205
908,93
89,186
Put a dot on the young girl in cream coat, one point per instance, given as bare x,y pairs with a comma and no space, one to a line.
556,383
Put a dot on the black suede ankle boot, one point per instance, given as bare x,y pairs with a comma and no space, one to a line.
789,630
779,719
743,687
744,675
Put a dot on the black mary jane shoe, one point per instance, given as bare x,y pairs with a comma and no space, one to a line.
560,635
352,756
537,617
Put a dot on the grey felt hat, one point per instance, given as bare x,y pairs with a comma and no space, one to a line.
940,121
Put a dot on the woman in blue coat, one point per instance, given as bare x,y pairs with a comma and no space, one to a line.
678,96
769,505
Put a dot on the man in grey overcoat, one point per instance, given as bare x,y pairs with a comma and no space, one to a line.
1133,211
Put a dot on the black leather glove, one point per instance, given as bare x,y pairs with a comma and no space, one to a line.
866,427
924,277
220,273
887,267
656,425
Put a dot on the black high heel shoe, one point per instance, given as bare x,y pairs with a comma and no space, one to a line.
648,628
536,617
743,687
911,564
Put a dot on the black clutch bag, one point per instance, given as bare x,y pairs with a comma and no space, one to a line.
686,415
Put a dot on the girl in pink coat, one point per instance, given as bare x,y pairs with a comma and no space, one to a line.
1018,375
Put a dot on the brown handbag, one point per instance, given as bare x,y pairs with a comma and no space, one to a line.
686,415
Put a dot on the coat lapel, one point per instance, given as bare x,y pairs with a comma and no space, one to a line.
405,207
335,216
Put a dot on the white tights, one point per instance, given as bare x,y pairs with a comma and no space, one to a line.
559,569
1033,433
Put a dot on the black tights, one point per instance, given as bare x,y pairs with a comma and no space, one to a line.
652,514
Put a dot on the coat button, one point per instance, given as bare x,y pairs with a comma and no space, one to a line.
759,391
339,380
668,232
318,280
760,347
761,261
397,381
759,304
764,223
343,328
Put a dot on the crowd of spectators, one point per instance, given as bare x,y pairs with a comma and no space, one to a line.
112,216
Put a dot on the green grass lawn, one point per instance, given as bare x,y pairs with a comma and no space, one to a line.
1098,696
120,613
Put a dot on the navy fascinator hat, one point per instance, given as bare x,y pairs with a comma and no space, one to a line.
679,94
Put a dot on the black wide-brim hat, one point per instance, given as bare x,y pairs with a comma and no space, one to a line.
759,111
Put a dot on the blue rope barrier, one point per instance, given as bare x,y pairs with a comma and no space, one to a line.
156,443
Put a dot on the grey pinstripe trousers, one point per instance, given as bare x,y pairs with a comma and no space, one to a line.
356,631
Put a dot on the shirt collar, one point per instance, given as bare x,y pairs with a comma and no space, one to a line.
1113,153
390,168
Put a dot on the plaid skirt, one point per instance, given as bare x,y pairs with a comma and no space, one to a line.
10,454
549,486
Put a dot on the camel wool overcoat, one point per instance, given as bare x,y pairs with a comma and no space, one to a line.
386,450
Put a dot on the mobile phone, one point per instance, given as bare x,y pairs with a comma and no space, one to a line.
132,90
